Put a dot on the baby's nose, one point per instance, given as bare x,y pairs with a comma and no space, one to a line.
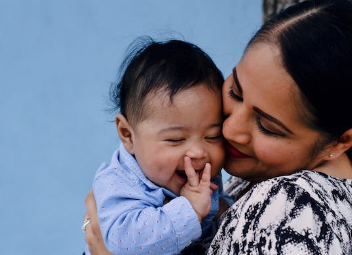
196,151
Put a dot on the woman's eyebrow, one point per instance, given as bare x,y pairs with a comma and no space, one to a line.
237,82
271,118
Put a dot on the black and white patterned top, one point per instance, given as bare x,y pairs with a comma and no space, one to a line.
303,213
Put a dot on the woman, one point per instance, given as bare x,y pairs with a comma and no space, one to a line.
289,134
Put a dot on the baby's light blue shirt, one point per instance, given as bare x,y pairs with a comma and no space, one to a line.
132,217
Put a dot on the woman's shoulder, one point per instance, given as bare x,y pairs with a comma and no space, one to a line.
302,189
304,179
304,211
320,187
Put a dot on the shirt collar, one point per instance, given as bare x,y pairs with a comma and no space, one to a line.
128,161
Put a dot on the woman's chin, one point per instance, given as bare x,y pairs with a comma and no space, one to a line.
234,168
234,172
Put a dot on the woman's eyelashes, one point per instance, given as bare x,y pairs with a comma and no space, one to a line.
233,95
267,131
235,92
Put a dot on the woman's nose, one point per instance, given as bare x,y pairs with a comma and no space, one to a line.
236,126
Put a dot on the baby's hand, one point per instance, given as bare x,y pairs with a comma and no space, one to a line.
198,191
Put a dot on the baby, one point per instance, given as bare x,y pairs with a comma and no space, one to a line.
156,197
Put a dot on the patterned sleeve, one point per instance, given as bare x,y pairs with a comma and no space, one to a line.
234,186
274,217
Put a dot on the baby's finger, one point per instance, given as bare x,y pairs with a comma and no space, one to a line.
213,186
192,176
206,176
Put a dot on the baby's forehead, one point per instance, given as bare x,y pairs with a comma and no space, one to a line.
161,100
194,97
164,98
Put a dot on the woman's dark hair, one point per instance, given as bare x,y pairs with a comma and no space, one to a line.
169,66
315,41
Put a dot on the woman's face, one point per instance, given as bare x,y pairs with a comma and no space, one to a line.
264,125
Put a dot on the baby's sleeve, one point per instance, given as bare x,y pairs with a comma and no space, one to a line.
222,194
136,222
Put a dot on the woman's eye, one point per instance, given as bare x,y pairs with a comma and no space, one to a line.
233,95
266,131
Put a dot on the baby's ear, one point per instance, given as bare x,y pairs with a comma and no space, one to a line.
125,132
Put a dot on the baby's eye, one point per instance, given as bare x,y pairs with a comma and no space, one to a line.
178,140
217,137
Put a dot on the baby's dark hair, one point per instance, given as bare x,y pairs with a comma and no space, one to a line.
168,66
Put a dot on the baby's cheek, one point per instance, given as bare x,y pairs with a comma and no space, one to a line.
169,159
171,162
215,172
215,169
219,161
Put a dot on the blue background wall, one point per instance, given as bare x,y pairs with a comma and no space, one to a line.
57,59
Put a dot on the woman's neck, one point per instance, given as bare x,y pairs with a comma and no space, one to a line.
340,167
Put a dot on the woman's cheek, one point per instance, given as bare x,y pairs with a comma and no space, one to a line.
278,160
271,154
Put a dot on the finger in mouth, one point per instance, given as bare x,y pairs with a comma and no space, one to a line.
183,175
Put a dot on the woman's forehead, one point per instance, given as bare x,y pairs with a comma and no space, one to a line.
260,69
268,86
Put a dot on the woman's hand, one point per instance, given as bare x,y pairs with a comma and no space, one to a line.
93,237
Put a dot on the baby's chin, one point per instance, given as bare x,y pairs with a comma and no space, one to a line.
215,173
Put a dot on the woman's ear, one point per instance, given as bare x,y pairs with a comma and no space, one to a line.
125,132
342,144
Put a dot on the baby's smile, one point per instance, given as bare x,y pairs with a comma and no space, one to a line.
183,175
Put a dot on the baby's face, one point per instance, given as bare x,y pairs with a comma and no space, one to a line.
189,126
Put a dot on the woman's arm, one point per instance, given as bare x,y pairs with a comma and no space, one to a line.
93,236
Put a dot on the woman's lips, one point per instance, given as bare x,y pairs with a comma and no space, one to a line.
234,152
